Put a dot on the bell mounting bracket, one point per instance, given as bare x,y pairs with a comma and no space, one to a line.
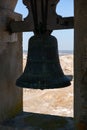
41,17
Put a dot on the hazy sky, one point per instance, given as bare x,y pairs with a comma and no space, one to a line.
64,8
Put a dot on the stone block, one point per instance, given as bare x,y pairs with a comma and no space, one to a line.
10,67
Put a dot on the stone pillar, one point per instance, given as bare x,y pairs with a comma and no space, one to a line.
80,67
10,62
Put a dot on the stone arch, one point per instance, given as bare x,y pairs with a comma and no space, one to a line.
10,96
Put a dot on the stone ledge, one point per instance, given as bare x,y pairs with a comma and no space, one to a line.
37,121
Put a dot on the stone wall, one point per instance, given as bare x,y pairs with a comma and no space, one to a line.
80,68
10,66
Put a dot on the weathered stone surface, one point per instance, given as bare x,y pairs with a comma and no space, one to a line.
8,4
80,70
10,67
36,121
6,16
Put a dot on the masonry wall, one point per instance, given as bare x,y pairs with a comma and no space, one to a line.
10,66
80,68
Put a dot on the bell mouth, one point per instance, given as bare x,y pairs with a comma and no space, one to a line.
44,84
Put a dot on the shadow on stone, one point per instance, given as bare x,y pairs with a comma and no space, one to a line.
37,121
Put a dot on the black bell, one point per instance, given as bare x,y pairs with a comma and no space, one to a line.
43,70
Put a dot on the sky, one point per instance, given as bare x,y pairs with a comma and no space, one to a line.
65,38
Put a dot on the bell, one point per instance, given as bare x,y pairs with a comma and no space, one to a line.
43,70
